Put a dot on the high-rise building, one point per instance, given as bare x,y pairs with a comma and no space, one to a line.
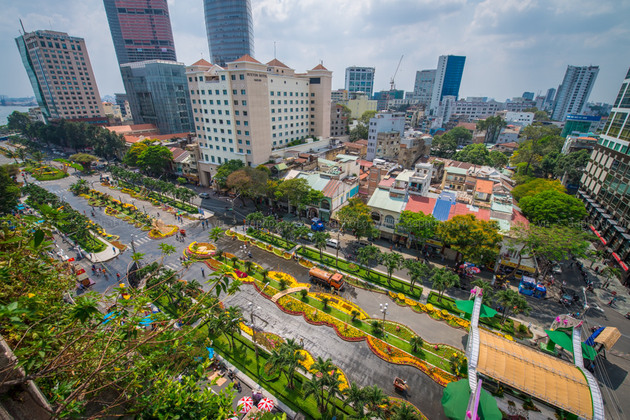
605,185
141,30
248,109
158,94
574,91
230,29
384,122
423,87
448,78
528,95
59,69
123,103
360,79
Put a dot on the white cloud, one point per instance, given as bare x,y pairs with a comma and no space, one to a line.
511,45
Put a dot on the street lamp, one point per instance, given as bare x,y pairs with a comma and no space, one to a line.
383,310
338,244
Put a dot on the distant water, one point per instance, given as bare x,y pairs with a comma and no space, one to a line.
5,111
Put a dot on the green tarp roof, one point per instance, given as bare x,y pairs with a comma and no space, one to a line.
468,305
563,340
455,402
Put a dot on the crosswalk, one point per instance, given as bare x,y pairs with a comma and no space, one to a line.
173,266
139,241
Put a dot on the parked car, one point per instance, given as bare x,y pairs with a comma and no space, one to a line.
333,243
204,195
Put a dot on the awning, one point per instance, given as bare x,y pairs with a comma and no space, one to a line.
455,402
281,166
564,341
621,263
467,307
608,337
598,235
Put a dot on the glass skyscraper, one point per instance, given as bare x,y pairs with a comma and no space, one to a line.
230,30
448,78
360,79
141,30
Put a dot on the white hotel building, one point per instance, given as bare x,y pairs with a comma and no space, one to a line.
249,108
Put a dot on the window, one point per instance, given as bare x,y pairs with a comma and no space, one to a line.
242,91
241,77
233,77
376,217
389,221
244,103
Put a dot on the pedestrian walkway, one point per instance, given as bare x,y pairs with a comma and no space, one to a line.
139,241
110,252
607,289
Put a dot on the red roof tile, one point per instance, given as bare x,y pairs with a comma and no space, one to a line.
319,67
331,188
365,163
460,209
420,204
387,182
484,186
248,58
518,217
202,62
362,141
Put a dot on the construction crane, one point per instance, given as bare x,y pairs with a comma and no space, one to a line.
392,85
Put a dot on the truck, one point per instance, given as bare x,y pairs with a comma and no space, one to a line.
334,280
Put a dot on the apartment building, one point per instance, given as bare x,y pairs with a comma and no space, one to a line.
384,122
248,109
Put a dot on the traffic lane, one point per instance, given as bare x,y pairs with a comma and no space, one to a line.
355,359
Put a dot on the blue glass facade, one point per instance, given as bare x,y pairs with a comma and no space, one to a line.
453,76
230,29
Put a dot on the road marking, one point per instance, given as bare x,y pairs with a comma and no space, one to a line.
172,266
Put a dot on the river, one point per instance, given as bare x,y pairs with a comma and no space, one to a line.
5,111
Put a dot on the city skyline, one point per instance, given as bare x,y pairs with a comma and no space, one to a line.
507,43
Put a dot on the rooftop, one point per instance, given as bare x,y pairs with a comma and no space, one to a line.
456,170
421,204
248,58
382,200
202,62
484,186
460,209
277,63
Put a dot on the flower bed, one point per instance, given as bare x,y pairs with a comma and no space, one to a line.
343,305
200,250
156,234
305,263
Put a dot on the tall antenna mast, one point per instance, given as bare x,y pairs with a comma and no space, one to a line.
22,25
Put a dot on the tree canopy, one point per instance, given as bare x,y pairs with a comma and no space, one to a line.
492,126
225,169
366,116
355,217
155,159
84,159
572,165
535,186
249,182
9,191
477,240
360,132
417,225
553,207
443,146
476,154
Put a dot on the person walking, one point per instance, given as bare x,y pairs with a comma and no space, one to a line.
117,276
203,273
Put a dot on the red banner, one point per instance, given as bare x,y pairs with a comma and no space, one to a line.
621,263
598,235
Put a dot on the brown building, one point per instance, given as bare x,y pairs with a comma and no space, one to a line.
338,121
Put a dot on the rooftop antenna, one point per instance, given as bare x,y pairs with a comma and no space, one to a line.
22,25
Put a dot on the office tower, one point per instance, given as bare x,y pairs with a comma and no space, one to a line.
59,69
158,94
423,87
574,91
230,29
141,30
384,123
528,95
250,108
448,78
604,185
123,102
360,79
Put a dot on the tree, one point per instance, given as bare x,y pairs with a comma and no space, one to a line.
416,343
535,186
18,121
215,234
477,240
492,126
511,303
84,159
376,399
537,142
417,226
294,191
444,146
324,384
133,154
498,159
286,358
367,254
610,273
286,230
355,216
476,154
461,135
392,261
319,239
442,279
366,116
541,115
417,271
355,396
155,159
225,169
9,191
359,132
553,207
488,290
572,166
404,411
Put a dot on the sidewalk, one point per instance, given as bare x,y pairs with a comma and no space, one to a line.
622,304
109,253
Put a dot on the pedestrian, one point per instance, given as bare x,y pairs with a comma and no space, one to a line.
203,273
597,269
114,249
158,214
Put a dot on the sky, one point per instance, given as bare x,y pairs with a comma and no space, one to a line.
511,46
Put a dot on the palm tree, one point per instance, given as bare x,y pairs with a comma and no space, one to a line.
21,153
325,301
354,314
234,261
375,399
218,253
403,411
255,219
228,323
264,273
355,396
287,358
248,266
215,234
320,238
377,327
416,343
488,291
366,254
610,272
392,261
325,380
38,156
137,256
417,271
167,249
511,302
442,279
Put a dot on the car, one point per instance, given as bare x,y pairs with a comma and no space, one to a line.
204,195
333,243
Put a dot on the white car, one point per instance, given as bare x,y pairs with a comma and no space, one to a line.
204,195
333,243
